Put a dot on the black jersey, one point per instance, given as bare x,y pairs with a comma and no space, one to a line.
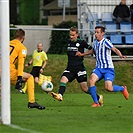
72,48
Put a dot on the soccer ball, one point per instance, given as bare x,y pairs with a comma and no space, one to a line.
47,86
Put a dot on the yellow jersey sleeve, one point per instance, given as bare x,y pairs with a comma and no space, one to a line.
44,56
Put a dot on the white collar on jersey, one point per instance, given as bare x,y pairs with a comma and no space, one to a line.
100,41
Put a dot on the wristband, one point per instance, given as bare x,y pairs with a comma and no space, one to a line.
42,68
19,78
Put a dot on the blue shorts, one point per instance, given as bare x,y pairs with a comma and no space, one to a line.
106,73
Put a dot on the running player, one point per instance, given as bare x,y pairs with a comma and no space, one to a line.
75,68
104,65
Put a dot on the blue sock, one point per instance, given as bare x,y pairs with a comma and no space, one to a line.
117,88
88,92
93,94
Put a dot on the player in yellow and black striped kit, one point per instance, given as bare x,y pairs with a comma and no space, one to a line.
17,75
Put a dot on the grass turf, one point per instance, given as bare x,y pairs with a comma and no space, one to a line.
72,115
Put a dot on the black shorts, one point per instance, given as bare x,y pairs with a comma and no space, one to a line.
79,74
35,71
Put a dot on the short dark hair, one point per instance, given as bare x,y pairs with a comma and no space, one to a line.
19,33
74,28
100,27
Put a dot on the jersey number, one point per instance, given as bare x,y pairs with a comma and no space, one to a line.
11,49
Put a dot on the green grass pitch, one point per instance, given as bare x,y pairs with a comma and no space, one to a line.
72,115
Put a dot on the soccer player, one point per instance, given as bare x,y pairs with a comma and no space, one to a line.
39,61
17,75
75,68
104,65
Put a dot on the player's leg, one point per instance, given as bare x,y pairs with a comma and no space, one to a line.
67,76
82,79
33,72
62,88
95,76
30,91
109,78
39,80
86,90
24,89
13,76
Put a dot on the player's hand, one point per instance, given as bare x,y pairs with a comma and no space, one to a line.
19,83
41,70
123,56
26,65
78,53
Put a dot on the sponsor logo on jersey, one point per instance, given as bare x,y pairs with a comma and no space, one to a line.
24,51
72,49
81,73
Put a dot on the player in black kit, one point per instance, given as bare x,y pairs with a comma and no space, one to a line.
75,68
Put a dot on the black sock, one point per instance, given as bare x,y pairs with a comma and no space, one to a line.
62,88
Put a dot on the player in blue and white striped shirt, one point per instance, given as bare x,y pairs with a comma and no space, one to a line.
103,53
104,66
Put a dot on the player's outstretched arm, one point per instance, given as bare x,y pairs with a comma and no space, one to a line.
118,52
29,63
85,53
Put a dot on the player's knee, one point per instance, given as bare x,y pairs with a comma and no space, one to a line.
108,88
108,85
91,82
31,78
84,87
64,79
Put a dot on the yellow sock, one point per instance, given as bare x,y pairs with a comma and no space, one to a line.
42,78
25,88
48,78
30,89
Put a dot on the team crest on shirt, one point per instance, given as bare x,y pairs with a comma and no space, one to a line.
24,52
77,44
38,57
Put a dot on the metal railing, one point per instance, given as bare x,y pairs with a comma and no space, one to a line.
84,15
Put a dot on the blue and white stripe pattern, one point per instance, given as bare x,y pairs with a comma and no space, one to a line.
103,53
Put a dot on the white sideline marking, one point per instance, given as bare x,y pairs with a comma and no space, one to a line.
23,129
